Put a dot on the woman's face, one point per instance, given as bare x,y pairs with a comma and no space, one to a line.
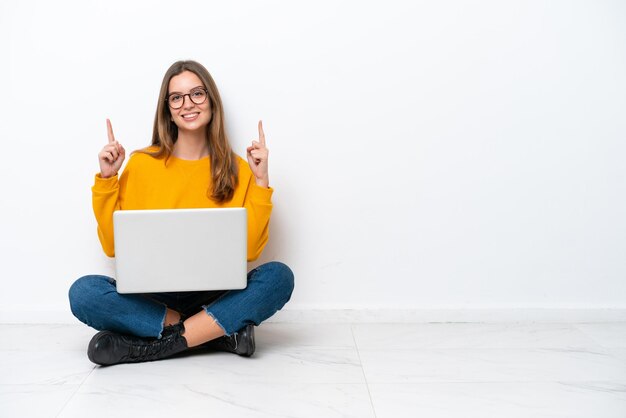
190,116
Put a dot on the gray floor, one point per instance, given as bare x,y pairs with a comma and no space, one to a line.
343,370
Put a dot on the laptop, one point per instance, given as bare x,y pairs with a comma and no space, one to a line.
180,250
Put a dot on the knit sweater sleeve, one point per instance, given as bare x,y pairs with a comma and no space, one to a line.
107,197
258,202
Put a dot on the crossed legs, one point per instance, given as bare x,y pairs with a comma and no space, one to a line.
94,300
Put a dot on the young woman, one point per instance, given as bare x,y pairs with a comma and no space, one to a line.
190,164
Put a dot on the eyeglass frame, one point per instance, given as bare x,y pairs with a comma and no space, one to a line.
206,92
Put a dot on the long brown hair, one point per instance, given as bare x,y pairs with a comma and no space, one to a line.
224,170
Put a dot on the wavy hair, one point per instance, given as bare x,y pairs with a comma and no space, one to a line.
224,172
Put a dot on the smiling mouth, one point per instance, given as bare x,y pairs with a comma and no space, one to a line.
189,116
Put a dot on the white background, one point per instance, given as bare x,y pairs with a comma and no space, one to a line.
425,155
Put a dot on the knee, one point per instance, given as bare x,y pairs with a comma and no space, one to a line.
83,292
283,278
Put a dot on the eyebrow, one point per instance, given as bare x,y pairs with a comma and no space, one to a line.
180,92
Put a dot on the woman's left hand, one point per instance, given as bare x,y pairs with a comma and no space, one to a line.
257,155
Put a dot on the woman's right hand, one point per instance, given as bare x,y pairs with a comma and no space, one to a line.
112,155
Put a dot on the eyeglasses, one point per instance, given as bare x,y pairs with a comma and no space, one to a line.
176,100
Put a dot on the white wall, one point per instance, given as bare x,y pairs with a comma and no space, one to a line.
425,154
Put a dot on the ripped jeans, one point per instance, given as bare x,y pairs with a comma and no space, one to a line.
94,300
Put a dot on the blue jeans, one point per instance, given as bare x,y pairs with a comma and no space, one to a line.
94,300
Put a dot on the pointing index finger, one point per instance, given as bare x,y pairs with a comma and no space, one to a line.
261,133
110,132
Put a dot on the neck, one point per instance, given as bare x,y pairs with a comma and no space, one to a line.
191,145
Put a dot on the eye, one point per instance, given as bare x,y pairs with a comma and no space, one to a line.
197,93
175,97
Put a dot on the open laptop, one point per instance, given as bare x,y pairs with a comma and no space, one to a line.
176,250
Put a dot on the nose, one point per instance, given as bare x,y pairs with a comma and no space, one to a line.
187,102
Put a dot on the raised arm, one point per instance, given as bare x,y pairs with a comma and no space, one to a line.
258,200
106,190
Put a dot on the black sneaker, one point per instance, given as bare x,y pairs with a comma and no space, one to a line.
107,347
241,343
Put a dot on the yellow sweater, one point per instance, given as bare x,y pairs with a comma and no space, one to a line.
147,183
